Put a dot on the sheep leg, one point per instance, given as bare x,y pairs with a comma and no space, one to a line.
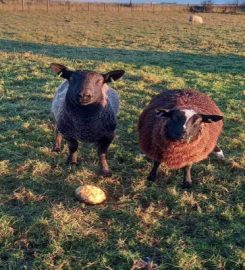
72,145
153,173
103,145
187,182
57,141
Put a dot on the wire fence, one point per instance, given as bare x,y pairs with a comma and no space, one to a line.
48,6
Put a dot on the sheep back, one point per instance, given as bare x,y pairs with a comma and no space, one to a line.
177,154
196,19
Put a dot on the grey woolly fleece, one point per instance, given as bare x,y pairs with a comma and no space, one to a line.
86,127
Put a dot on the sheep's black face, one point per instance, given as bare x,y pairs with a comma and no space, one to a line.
85,88
184,124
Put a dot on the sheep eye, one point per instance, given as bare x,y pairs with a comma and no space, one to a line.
195,119
99,81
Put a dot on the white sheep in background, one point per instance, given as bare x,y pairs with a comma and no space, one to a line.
196,19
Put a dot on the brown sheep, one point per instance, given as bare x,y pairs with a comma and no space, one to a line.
179,128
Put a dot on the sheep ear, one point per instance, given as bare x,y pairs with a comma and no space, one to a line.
163,113
210,118
61,70
113,75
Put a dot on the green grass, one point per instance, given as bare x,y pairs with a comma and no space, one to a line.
42,225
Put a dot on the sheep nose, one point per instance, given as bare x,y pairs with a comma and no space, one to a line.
86,95
179,135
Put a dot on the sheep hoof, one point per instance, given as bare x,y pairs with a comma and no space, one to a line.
73,163
105,173
186,185
56,149
70,162
151,177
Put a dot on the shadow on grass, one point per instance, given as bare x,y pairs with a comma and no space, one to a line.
180,233
177,60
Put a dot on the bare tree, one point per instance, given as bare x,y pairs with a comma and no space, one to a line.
207,2
236,2
208,5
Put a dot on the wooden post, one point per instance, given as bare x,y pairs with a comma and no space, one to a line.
47,5
104,6
88,6
152,7
22,4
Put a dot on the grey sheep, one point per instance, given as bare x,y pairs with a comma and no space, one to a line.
85,109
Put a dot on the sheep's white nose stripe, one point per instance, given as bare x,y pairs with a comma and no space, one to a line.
188,114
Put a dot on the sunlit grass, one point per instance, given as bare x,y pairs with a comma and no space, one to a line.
42,226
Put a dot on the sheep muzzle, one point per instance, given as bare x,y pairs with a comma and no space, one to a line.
85,98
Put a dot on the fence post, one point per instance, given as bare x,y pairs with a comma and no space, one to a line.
152,7
22,4
47,5
88,6
104,6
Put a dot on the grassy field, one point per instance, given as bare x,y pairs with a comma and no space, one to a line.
42,226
